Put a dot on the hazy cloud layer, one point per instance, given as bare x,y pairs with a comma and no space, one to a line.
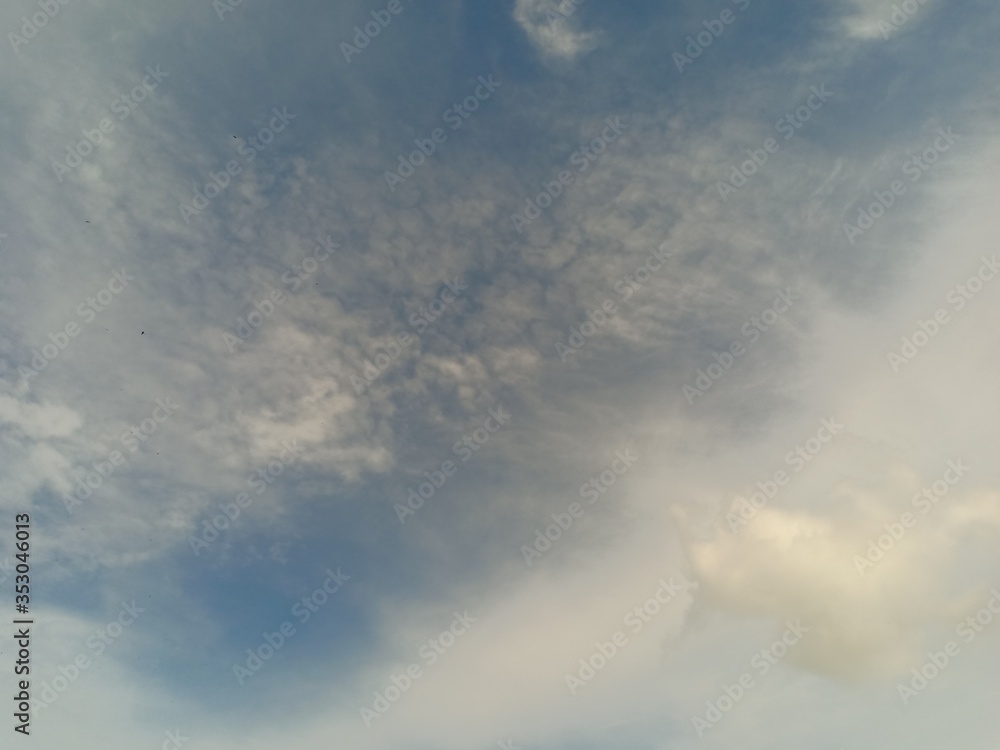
291,310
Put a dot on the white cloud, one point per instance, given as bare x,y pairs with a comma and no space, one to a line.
553,28
39,420
882,19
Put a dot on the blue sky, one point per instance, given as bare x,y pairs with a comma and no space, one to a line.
767,269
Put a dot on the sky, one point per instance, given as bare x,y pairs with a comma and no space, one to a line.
531,374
